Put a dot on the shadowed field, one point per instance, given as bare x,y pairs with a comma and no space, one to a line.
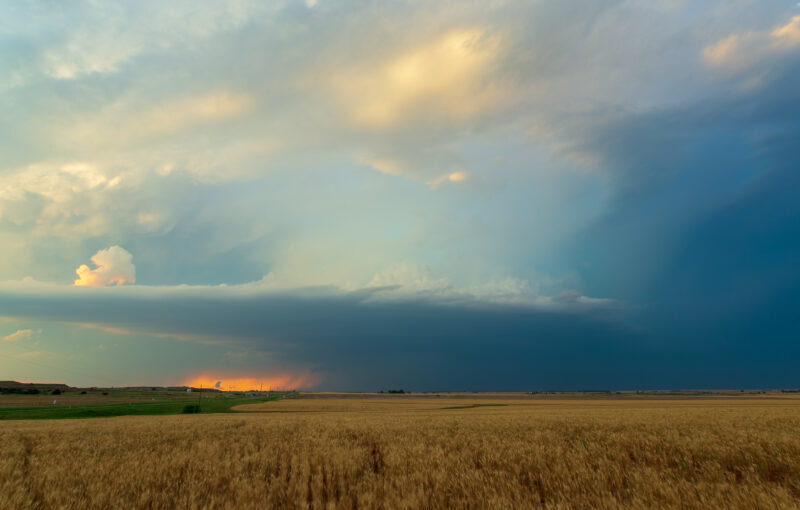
96,398
120,403
416,453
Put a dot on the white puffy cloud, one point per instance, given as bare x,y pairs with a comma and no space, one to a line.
114,266
56,198
79,199
107,36
413,282
447,78
459,176
788,35
20,334
742,50
127,122
53,182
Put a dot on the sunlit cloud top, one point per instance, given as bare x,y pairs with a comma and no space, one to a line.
114,267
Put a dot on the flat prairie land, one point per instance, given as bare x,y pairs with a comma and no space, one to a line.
98,404
97,397
413,452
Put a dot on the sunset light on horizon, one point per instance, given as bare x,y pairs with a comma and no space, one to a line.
271,382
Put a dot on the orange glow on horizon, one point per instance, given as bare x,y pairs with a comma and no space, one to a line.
282,381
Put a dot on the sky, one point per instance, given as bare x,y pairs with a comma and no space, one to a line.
434,196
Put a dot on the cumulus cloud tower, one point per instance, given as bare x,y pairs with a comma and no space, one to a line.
114,266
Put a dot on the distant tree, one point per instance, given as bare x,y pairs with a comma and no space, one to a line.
56,392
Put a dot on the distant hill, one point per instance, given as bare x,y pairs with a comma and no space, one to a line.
36,386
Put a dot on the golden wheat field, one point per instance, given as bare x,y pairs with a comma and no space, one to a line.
415,453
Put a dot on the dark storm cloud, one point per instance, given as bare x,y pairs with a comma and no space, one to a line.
361,344
705,229
357,343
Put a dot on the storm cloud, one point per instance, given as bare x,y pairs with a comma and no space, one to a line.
459,195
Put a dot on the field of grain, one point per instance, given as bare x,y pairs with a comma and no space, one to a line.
415,453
